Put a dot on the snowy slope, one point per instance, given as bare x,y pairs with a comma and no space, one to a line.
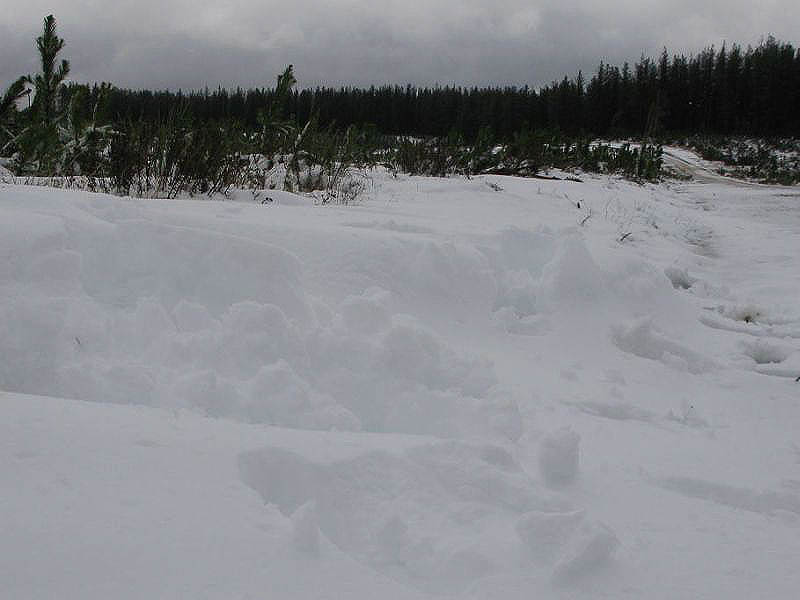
525,389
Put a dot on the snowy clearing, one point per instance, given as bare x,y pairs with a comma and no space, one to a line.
485,388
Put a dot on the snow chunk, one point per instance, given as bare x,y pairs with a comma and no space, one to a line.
559,456
592,548
680,278
571,278
305,529
643,339
546,533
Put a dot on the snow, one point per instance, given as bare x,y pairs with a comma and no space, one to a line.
559,456
452,388
305,528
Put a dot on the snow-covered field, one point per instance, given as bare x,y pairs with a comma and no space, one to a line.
487,388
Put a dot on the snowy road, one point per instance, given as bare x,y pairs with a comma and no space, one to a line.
688,164
453,389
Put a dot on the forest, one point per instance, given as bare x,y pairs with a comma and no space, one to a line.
725,91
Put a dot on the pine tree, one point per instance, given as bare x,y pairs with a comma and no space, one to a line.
39,142
48,82
8,106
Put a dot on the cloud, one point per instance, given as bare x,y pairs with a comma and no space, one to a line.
191,44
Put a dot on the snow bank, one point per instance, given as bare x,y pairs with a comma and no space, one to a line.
449,389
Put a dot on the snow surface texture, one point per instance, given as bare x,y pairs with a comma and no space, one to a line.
460,388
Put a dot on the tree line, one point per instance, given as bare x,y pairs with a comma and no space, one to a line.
725,91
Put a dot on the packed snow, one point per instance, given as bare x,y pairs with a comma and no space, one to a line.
485,388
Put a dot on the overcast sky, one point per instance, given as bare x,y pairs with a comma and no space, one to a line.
191,44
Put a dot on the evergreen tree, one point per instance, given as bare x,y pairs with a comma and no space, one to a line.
8,109
49,81
40,143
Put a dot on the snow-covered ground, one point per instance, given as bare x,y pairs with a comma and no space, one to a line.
486,388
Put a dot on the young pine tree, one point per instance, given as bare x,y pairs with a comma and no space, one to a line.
48,82
39,142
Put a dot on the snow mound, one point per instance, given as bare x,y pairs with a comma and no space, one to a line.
110,305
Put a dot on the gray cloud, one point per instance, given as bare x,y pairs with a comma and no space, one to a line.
191,44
